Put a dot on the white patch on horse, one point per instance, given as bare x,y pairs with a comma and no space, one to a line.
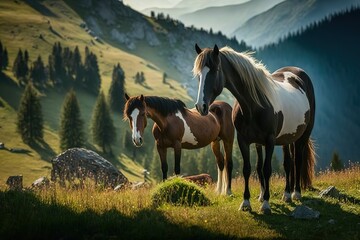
188,135
135,133
293,103
202,77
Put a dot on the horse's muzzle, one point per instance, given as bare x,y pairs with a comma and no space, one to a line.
138,141
202,108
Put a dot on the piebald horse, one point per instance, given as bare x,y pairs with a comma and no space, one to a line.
177,127
271,109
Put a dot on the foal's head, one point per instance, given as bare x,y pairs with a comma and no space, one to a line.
135,112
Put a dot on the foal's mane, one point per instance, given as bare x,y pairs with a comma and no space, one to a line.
163,105
252,73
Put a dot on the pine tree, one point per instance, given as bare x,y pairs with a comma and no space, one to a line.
20,68
117,89
1,55
102,127
71,125
37,73
77,66
5,59
336,163
164,77
92,80
30,118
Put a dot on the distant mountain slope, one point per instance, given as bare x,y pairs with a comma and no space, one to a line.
189,6
227,18
163,41
329,53
286,17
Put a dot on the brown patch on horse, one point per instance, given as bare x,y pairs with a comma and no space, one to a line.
200,179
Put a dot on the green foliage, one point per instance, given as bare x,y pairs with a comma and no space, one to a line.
140,78
336,163
20,67
178,191
4,59
30,118
37,72
117,89
71,126
92,79
102,126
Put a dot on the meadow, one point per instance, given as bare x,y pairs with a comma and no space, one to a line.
92,213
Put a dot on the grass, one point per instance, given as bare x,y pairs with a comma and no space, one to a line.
94,214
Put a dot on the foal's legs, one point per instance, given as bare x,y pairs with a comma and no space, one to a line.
259,169
177,152
245,152
215,147
228,146
164,166
288,164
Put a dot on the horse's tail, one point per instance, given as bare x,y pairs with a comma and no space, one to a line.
308,165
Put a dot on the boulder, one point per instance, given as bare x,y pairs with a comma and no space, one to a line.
305,212
200,179
15,183
80,163
42,182
330,192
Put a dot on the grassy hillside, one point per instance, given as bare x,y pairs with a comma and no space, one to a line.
21,25
92,214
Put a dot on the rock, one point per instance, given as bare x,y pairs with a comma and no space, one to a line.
200,179
2,145
80,163
42,182
139,185
15,183
330,192
305,212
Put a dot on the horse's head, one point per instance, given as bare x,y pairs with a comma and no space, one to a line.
207,70
135,112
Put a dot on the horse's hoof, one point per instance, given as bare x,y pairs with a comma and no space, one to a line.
261,196
265,208
245,206
286,197
261,199
228,192
296,196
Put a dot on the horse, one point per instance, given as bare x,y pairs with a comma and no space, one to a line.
270,109
177,127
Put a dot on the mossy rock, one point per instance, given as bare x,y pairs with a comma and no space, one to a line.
180,192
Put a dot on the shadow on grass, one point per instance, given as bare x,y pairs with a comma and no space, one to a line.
334,222
43,149
24,216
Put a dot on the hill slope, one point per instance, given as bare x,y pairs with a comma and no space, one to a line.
287,17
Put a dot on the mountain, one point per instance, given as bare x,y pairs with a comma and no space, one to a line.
328,51
287,17
188,6
165,42
141,4
227,18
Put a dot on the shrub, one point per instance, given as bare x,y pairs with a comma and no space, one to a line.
178,191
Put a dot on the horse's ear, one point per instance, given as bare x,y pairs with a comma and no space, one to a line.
216,50
126,96
142,98
197,49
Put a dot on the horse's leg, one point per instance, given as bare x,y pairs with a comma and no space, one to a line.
164,166
245,152
299,151
269,149
287,166
259,169
228,145
215,147
292,167
177,152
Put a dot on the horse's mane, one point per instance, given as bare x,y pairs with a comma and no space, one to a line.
164,105
252,73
